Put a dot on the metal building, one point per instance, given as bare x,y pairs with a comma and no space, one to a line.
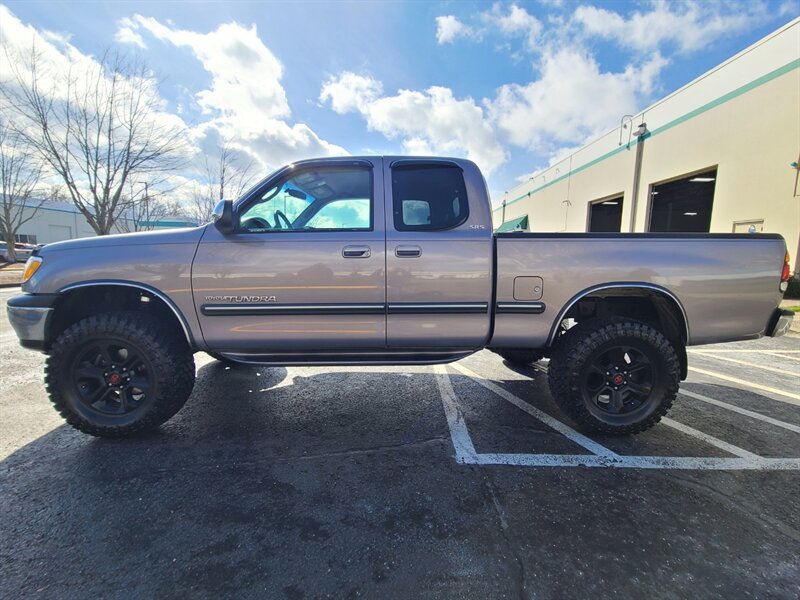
57,221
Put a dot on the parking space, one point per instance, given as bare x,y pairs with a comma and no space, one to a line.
448,481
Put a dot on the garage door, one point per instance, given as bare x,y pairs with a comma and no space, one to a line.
57,233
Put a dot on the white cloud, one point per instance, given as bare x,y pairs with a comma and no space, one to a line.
126,35
449,29
428,122
572,101
789,8
245,103
517,21
350,92
690,26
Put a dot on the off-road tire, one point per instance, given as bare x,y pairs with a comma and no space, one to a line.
578,346
167,353
520,357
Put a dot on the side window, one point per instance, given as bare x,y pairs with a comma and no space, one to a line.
321,199
428,197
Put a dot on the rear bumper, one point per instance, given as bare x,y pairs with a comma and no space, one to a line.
29,315
780,323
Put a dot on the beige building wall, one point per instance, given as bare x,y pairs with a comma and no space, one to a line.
742,117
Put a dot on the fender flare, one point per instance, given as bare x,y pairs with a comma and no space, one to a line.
610,286
137,285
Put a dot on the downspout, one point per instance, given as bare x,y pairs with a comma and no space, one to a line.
642,135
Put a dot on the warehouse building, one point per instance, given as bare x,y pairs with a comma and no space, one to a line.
718,155
57,221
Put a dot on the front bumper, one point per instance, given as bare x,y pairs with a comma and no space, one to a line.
780,323
29,315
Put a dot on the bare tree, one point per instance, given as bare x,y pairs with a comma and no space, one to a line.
20,171
227,175
58,193
145,208
96,126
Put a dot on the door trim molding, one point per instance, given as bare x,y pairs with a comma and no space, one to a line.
393,308
217,310
418,308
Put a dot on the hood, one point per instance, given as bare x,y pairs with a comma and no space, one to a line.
190,235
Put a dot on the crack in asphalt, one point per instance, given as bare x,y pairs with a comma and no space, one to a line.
501,515
9,469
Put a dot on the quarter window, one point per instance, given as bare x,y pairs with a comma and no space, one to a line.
428,197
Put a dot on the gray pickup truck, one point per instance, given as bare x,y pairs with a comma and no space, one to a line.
386,260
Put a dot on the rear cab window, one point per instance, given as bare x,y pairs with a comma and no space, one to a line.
428,197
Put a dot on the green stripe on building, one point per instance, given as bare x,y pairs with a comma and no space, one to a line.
690,115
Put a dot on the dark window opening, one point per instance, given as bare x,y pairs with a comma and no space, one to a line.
606,215
428,197
683,205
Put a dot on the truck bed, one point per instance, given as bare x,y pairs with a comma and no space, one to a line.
702,273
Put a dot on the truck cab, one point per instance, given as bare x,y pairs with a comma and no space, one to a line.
390,257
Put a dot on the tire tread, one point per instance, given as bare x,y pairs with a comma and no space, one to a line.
172,359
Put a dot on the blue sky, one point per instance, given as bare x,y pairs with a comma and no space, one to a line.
510,85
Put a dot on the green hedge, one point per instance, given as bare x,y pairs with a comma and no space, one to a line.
793,291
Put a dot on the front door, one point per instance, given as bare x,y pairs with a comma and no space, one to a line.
304,269
438,255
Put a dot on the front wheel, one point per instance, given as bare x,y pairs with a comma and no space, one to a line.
614,376
117,374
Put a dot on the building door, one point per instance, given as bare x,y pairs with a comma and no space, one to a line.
58,233
438,268
305,268
683,205
605,215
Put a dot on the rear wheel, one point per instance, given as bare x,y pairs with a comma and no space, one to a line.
117,374
614,376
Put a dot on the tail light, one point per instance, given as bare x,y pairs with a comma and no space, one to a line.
785,273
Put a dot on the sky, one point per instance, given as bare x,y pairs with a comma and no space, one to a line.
510,85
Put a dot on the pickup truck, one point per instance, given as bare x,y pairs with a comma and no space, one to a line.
387,261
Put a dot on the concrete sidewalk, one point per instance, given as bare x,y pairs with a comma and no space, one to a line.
11,274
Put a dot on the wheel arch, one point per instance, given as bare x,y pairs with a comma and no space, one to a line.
69,294
650,302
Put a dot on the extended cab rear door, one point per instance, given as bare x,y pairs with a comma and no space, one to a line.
438,254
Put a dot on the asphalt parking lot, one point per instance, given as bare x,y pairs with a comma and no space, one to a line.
424,482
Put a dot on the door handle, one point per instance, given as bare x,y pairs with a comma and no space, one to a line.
356,252
407,251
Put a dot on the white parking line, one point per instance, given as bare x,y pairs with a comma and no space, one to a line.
748,364
641,462
739,351
565,430
741,411
783,356
462,443
465,452
709,439
791,398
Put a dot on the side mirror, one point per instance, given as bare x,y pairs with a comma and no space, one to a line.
223,216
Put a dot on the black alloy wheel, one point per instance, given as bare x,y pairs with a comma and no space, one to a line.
112,377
